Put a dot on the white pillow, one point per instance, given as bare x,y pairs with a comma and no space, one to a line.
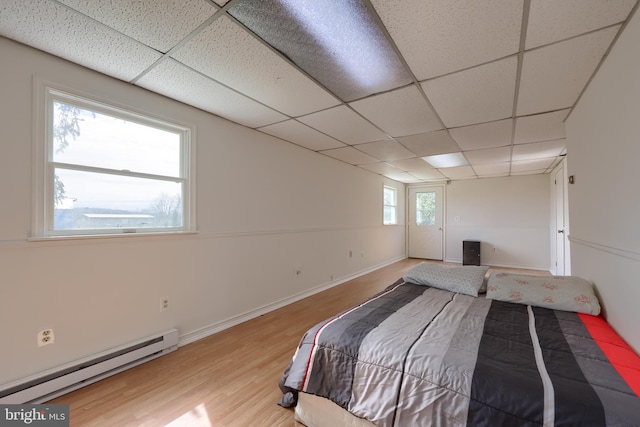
567,293
465,280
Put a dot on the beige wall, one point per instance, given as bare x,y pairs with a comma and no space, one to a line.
603,151
265,207
508,214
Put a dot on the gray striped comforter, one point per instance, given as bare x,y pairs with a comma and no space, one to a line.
418,356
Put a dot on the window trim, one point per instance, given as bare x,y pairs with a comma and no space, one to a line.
45,93
394,205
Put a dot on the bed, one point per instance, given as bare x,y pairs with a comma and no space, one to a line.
434,349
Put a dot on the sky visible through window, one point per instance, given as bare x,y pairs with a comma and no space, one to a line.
113,143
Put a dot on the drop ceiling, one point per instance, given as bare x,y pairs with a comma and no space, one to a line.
490,81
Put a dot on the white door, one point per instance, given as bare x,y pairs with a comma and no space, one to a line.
560,226
426,222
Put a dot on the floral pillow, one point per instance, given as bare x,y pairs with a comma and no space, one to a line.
466,280
567,293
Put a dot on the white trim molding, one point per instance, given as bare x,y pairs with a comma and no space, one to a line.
625,253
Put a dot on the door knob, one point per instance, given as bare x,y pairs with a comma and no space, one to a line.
561,231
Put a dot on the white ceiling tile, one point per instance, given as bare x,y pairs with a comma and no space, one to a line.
386,150
430,143
538,150
381,168
403,177
399,113
553,76
47,26
411,165
540,127
301,134
537,166
442,36
553,20
343,124
428,174
175,80
492,169
229,54
160,25
485,135
490,155
350,155
477,95
460,172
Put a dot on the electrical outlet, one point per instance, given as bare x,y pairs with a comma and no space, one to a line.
46,337
298,271
164,304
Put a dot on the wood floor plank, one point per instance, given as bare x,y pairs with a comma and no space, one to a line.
227,379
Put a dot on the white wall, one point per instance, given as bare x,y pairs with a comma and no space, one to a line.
509,214
265,207
603,149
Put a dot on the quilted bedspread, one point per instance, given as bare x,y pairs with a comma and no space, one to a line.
415,355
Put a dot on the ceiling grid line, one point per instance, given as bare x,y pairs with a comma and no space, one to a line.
282,56
180,44
523,38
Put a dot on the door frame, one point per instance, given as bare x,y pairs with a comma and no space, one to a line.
443,187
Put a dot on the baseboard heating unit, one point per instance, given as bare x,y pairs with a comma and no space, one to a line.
47,385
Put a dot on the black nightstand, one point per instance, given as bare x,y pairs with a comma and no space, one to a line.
470,252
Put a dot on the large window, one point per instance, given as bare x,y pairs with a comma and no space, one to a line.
111,171
390,215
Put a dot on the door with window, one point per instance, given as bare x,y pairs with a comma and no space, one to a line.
426,222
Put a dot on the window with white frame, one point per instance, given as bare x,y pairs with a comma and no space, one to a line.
390,205
111,171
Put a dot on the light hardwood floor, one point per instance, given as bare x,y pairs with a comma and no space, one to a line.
227,379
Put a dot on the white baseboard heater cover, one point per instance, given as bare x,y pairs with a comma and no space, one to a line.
50,384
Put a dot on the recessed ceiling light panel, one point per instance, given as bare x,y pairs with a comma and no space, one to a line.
337,42
450,160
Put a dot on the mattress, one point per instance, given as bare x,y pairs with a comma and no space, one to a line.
418,355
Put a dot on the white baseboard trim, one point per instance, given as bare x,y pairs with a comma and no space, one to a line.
214,328
493,264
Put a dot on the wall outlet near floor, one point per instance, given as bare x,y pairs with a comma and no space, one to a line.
46,337
164,304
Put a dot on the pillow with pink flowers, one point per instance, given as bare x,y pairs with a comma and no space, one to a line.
567,293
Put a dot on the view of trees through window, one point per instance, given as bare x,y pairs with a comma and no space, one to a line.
110,172
426,208
390,215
